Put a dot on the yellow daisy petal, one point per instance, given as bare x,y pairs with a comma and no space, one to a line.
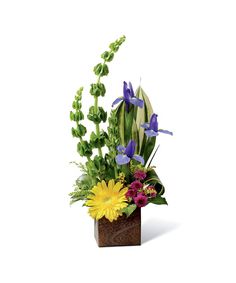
117,187
111,184
107,200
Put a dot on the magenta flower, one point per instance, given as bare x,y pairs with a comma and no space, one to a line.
136,185
139,174
131,193
141,200
153,193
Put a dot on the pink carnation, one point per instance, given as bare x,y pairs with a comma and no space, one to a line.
139,174
136,185
141,200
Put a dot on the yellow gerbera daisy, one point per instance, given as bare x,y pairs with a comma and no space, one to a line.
107,200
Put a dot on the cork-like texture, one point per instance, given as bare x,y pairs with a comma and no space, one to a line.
125,231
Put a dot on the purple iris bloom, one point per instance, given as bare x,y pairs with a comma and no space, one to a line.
151,129
129,97
127,153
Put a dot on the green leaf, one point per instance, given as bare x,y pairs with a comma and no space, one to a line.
148,148
158,200
127,126
129,209
82,188
142,115
135,135
153,179
120,114
153,156
129,121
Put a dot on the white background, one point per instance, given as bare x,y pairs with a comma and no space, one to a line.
185,53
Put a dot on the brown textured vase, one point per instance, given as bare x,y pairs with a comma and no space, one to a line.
125,231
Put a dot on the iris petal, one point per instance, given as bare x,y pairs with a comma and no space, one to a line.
131,90
165,132
145,125
151,133
138,158
154,123
126,93
120,148
130,149
122,159
136,101
117,101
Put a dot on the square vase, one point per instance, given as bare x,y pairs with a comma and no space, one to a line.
125,231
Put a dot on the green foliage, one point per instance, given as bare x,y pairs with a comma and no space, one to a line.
143,115
97,115
76,105
112,141
153,179
84,149
96,168
98,140
158,200
129,209
113,132
136,166
111,167
82,188
101,70
77,116
114,46
99,169
97,89
122,127
107,56
78,132
129,125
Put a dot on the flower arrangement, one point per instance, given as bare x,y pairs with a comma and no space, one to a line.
122,179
